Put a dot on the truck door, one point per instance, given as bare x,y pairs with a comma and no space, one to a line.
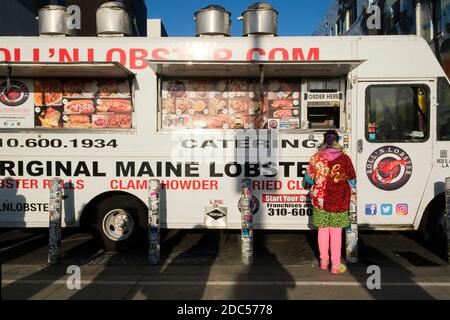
394,151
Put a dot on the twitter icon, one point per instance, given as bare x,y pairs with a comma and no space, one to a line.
386,209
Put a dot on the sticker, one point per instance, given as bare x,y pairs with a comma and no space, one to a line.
372,136
215,217
386,209
402,209
273,124
443,159
389,168
372,127
246,233
371,209
253,203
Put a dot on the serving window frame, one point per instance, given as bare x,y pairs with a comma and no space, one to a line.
264,70
31,70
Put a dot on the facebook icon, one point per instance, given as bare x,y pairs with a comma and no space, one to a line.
371,209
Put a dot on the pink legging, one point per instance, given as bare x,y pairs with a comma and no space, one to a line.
333,235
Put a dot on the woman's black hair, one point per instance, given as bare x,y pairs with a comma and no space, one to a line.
330,137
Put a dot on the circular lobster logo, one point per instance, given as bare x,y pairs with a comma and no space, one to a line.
17,94
389,168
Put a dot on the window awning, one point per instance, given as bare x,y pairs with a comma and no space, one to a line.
64,69
253,68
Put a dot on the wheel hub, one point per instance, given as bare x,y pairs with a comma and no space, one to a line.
118,225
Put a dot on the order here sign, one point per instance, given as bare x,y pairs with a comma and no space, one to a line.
323,96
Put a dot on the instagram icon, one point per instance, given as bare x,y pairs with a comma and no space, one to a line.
402,209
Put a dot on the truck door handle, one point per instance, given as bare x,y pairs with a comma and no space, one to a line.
359,145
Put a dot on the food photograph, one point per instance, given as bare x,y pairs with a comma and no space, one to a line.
284,102
234,103
48,92
99,104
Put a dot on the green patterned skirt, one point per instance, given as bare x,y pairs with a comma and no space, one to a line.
324,219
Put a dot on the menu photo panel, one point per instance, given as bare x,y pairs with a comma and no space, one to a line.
83,104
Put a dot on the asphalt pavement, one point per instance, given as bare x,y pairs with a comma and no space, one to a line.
205,264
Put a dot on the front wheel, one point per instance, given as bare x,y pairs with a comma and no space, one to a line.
120,223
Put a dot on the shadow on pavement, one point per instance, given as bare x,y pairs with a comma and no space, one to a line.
266,267
391,272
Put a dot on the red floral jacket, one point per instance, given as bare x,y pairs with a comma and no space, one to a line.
331,191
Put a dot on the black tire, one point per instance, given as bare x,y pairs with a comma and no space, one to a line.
138,214
431,227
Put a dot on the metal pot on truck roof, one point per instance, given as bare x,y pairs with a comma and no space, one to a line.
260,19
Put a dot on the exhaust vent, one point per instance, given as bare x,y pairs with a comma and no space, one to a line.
53,21
260,19
212,20
112,20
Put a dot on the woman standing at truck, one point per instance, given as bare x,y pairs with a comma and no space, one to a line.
330,172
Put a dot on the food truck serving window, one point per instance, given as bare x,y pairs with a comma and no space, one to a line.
397,113
232,103
325,103
62,103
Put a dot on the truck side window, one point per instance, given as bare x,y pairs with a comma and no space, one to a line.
443,110
397,113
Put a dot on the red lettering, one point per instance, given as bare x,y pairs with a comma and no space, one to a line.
141,184
297,54
313,54
252,51
138,55
274,51
36,55
46,184
65,56
34,184
17,54
156,54
223,54
116,51
90,54
214,185
6,54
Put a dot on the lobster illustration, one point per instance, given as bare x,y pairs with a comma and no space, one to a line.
387,170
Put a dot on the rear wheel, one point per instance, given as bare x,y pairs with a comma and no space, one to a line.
433,225
120,223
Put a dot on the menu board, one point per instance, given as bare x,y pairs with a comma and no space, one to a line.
284,104
16,104
212,104
100,104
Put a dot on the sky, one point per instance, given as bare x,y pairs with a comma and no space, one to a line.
296,17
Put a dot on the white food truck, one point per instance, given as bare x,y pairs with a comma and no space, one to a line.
108,114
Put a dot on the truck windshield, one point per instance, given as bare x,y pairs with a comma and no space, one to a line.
397,113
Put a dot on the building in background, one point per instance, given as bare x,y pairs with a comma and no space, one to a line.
427,18
18,17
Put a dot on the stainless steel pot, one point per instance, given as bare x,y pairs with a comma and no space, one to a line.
260,19
53,20
112,19
212,20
